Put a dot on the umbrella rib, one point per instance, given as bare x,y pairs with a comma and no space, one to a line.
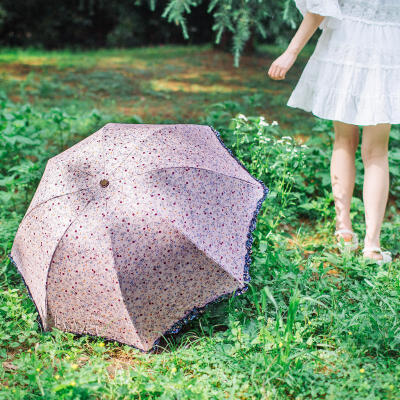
77,169
52,198
166,144
220,157
187,237
85,172
54,252
198,168
203,251
102,140
123,298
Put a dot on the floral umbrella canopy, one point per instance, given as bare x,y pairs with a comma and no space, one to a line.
135,229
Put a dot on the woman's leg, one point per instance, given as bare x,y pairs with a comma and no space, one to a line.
374,151
343,172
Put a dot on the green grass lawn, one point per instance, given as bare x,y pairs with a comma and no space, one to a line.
313,324
157,84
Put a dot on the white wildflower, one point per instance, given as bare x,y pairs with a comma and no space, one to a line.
274,123
263,123
241,116
287,137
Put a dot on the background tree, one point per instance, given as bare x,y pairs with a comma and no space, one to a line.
235,25
93,24
244,20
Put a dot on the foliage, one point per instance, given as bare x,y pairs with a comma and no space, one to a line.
313,324
300,171
94,23
128,23
241,18
28,138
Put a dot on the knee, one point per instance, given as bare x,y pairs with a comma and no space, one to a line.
349,142
373,151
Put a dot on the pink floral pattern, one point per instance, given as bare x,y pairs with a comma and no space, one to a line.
137,228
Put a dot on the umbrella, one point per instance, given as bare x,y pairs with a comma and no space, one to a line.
135,229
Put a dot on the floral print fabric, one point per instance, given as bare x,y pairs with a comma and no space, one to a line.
135,229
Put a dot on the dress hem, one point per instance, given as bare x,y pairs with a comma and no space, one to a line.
345,120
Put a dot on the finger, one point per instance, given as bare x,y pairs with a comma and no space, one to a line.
281,73
271,70
274,73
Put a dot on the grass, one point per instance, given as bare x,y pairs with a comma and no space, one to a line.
313,324
139,81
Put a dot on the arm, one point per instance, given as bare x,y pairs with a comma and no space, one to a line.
284,62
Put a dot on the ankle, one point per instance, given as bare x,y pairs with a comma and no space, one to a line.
369,244
343,226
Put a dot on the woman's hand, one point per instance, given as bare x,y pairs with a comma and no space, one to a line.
281,65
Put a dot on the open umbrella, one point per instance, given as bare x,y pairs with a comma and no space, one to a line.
134,230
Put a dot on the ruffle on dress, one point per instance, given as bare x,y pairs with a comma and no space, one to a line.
371,102
328,8
353,74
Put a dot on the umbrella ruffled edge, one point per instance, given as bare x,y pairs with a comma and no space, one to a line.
196,311
246,274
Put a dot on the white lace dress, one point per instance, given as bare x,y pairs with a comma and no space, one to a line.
353,74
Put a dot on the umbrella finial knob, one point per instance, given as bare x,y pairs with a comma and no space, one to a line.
104,182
